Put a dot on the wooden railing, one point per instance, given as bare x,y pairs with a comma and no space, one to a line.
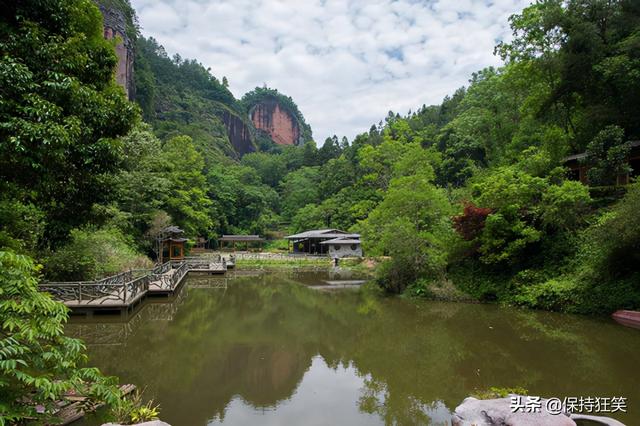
206,263
177,276
87,292
216,257
279,256
127,287
162,269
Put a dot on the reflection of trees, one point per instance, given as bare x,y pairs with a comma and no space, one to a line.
257,339
401,409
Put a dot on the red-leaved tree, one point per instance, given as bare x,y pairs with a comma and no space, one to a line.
471,221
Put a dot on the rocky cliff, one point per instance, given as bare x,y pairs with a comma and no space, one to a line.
182,96
278,123
276,116
115,25
238,133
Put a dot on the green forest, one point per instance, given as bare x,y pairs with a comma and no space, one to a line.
469,199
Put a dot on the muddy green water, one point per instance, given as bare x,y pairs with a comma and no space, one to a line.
270,349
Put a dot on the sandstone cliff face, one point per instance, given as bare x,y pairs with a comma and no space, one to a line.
115,28
271,118
238,132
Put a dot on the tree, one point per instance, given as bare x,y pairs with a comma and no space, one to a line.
607,156
329,150
471,222
308,217
270,167
22,226
411,225
336,174
142,187
187,203
92,254
38,363
310,154
60,110
300,188
589,51
242,203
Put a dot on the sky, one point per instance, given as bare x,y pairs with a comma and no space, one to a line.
345,63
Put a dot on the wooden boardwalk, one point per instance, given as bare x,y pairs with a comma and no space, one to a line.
127,289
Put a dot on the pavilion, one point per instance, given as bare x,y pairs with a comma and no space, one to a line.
171,243
578,169
332,242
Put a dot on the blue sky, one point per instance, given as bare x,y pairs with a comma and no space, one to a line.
345,63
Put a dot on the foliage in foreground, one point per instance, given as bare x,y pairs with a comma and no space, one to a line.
38,363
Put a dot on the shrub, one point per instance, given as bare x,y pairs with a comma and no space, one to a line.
277,245
133,410
495,392
93,254
616,257
525,210
559,294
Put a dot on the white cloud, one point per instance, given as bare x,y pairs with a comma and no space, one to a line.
345,63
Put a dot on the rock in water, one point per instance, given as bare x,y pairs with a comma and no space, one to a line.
490,412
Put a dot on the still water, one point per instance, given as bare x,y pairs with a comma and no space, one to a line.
268,348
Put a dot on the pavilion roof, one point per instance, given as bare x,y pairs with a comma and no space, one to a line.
322,233
172,230
242,238
342,241
176,240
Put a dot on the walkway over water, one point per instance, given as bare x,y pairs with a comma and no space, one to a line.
125,290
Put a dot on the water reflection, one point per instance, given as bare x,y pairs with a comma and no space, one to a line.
264,349
325,396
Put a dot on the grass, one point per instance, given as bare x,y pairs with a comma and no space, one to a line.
284,263
354,264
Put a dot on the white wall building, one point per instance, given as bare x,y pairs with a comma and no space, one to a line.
343,247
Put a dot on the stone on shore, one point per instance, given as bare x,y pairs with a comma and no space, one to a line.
489,412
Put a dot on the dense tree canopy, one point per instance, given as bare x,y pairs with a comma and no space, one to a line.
61,111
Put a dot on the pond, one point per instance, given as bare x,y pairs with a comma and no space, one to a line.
268,348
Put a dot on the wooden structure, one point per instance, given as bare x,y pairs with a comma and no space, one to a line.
311,242
74,407
233,239
578,169
201,243
171,244
124,291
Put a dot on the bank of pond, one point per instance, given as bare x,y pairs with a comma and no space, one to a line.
275,347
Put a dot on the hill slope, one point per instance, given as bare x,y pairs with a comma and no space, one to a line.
183,97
